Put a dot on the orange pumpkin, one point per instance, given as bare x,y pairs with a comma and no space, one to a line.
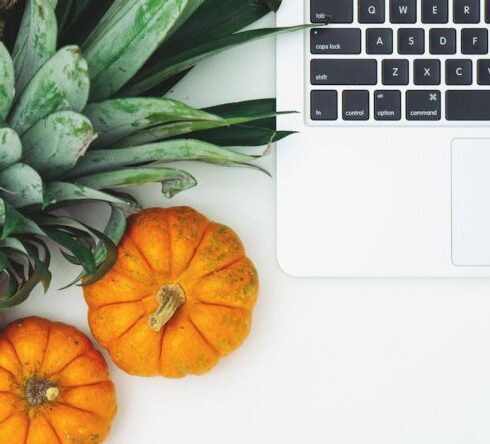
54,386
179,297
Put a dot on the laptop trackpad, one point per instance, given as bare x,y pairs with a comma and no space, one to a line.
471,202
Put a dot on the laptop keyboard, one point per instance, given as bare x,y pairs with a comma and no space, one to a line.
399,60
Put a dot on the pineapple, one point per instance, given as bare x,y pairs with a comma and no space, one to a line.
83,113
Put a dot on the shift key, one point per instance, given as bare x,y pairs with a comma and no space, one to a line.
343,72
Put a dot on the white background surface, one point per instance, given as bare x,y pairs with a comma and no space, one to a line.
338,361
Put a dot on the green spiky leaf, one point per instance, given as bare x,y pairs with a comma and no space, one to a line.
242,135
168,67
69,11
82,253
119,118
214,19
162,132
126,38
173,181
16,223
178,150
65,193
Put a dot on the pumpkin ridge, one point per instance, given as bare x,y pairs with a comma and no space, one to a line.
65,366
127,275
206,340
217,270
24,418
115,274
196,249
69,388
74,407
28,430
48,420
123,272
9,372
46,348
110,304
8,417
7,339
128,330
141,252
214,304
5,392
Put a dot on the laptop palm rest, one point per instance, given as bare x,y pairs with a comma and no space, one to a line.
471,202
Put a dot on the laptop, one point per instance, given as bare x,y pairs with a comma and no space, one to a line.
389,173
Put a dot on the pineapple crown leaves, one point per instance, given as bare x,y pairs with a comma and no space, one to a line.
83,113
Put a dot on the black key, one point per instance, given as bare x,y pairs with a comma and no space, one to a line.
484,72
379,41
395,72
427,72
459,72
336,41
466,11
435,11
355,105
442,41
423,105
468,105
387,105
341,11
324,105
411,41
403,11
487,11
344,72
474,41
371,11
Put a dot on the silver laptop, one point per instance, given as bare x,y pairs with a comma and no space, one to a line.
389,174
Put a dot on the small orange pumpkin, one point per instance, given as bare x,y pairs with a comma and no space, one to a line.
54,386
179,297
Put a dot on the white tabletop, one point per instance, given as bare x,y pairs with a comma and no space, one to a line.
351,361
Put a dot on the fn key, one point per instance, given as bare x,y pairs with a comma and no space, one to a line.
324,105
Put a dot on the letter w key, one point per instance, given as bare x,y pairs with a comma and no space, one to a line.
403,11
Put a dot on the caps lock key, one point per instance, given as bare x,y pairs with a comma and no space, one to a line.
336,41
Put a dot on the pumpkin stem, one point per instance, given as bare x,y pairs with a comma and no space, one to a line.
52,393
169,298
